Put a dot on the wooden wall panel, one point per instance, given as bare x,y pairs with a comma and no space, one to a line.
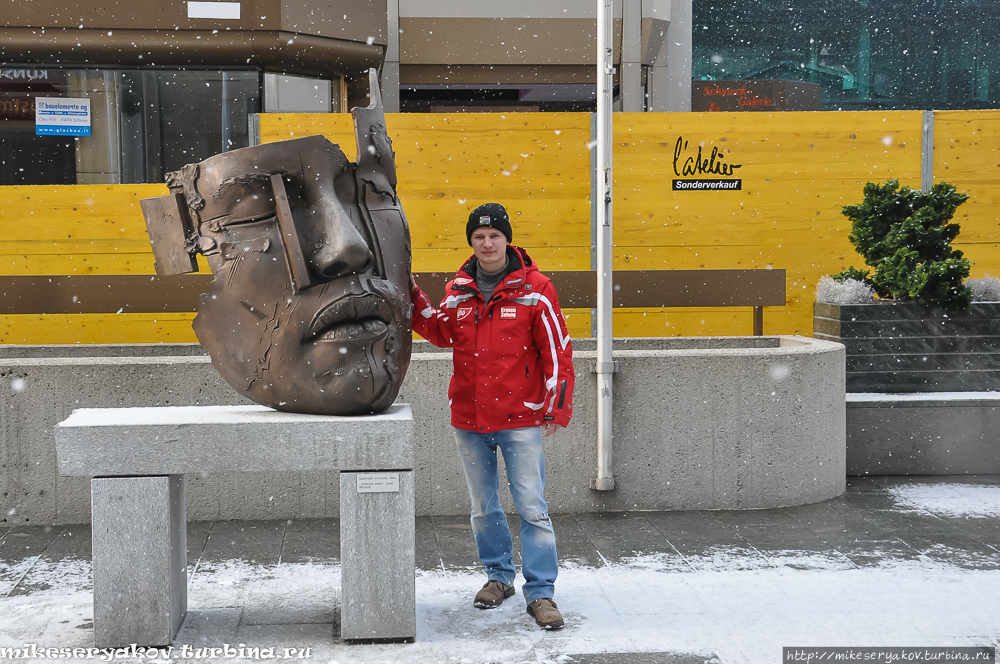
537,165
75,229
967,155
173,328
796,168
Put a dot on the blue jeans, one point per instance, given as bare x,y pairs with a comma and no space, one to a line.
522,454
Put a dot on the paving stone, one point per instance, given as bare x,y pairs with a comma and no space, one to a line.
818,514
311,540
428,557
777,537
701,523
849,523
878,553
984,530
776,517
71,543
456,545
252,541
209,627
705,540
23,542
879,500
284,599
623,535
573,545
19,549
898,524
264,636
961,550
197,536
805,558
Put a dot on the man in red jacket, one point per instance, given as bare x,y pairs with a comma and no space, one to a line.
512,382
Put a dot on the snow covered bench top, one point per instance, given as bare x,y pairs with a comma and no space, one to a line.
95,442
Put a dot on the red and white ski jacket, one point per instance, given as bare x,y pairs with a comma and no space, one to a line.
513,360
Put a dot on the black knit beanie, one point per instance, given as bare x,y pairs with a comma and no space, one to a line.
489,215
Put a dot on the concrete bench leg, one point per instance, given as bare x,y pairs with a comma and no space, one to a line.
140,559
377,578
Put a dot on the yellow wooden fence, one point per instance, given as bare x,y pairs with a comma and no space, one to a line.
796,170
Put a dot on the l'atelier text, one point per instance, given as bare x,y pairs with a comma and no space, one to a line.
699,165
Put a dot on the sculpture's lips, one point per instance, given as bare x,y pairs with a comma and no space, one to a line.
351,318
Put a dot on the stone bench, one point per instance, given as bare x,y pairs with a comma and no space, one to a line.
138,457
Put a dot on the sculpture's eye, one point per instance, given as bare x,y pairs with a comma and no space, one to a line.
240,200
228,220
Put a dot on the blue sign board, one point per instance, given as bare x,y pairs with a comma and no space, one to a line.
62,116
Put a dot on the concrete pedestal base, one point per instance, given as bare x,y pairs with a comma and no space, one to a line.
378,599
140,559
140,549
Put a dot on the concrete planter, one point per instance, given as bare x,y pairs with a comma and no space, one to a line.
699,423
923,386
905,348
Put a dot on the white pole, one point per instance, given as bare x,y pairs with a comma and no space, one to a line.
605,364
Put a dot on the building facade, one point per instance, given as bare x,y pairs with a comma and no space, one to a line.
171,82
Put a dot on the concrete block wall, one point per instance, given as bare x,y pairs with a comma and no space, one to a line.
700,423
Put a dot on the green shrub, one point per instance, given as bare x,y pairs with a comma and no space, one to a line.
905,236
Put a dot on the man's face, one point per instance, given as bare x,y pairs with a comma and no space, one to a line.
310,312
490,247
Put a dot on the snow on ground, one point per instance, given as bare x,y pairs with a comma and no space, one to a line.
954,500
649,604
739,608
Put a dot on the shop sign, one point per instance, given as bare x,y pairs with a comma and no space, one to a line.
766,96
24,74
697,169
62,116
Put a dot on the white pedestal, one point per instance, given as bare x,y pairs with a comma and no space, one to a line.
139,547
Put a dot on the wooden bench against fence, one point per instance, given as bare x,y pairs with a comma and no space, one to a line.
639,289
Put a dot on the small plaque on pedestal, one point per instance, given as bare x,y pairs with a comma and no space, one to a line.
378,482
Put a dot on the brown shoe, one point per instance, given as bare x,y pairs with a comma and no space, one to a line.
492,595
546,613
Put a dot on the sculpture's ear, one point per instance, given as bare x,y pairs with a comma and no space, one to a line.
169,228
376,164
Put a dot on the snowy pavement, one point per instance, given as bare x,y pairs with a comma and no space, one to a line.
894,562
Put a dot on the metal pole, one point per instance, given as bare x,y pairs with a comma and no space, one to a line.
605,481
226,115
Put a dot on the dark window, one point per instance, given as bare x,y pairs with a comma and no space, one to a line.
144,123
24,157
865,54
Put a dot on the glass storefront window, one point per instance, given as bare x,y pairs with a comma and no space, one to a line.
865,54
144,123
24,157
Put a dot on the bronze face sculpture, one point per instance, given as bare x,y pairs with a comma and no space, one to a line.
309,309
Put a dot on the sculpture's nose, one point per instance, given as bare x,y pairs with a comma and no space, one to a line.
341,248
